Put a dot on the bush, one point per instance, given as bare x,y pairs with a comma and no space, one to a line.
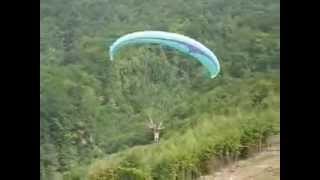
183,157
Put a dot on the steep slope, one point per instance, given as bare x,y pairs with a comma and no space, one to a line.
261,166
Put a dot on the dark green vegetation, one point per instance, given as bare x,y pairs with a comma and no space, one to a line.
91,107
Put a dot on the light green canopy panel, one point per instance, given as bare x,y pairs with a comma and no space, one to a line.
179,42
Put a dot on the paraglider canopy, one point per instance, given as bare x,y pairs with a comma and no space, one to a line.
181,43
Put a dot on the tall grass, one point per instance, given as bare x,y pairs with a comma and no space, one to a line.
239,120
182,157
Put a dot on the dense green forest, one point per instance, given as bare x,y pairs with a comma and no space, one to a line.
93,112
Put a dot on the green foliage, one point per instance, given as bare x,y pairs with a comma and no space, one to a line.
92,107
183,156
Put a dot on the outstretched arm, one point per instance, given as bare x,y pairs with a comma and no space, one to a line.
160,126
151,124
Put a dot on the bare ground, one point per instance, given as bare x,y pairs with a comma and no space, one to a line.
262,166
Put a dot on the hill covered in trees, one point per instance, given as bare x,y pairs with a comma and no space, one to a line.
92,107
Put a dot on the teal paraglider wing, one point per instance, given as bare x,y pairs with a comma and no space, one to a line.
178,42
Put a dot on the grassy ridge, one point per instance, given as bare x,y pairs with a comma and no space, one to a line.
217,136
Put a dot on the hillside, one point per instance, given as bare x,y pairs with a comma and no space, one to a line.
263,165
94,109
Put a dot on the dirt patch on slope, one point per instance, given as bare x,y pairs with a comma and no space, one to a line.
262,166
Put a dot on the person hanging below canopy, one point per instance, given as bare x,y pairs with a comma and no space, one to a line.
156,128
